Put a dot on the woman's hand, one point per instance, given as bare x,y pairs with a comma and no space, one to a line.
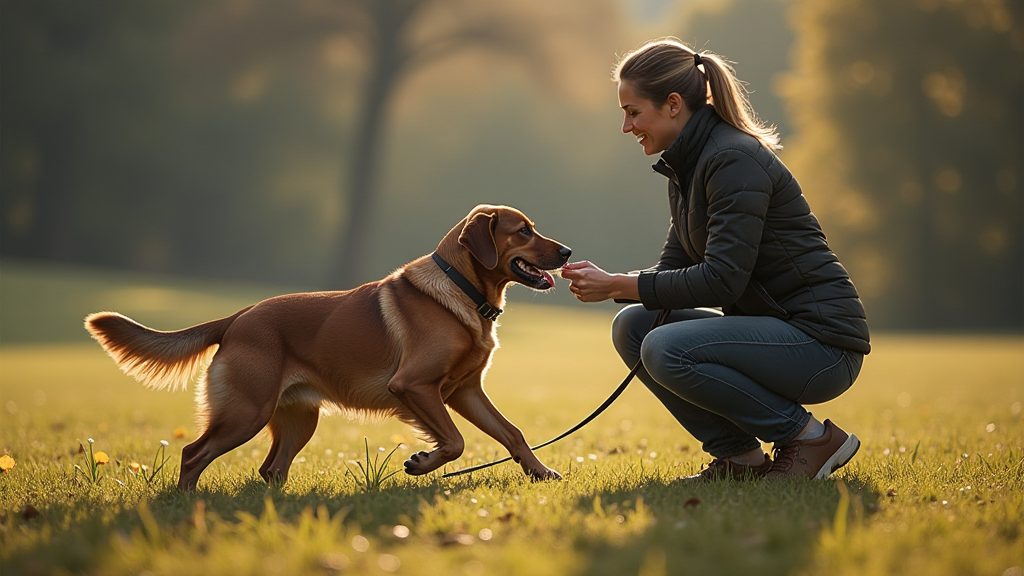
592,284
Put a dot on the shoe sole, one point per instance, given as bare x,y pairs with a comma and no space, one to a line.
845,453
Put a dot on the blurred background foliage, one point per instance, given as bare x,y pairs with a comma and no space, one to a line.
322,143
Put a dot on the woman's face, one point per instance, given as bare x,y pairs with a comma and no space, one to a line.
655,127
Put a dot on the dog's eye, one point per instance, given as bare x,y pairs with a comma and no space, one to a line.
526,231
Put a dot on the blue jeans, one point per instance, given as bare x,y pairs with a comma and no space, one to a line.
733,381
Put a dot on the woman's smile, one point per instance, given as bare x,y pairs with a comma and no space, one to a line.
654,127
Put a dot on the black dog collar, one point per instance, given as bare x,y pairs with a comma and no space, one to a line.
482,306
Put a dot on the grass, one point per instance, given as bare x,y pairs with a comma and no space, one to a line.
373,475
937,487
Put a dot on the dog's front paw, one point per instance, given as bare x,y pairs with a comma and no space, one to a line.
417,464
543,473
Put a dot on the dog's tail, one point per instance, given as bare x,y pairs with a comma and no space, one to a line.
160,360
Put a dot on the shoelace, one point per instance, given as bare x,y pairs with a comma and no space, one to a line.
717,463
784,456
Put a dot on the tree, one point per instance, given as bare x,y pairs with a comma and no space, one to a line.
395,38
909,140
72,75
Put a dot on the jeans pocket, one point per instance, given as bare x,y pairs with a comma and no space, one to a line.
830,381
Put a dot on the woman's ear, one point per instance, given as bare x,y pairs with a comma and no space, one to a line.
675,104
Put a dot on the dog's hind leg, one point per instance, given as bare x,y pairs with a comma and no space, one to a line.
237,412
291,427
220,438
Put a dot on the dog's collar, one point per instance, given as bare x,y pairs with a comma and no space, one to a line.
482,305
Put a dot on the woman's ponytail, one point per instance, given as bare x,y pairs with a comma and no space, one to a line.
729,97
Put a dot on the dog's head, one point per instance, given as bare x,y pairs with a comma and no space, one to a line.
503,240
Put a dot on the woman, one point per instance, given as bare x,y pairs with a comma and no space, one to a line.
791,329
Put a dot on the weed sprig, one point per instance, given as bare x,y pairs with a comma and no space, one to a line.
373,475
149,473
93,461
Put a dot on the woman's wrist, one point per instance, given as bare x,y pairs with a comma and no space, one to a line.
625,287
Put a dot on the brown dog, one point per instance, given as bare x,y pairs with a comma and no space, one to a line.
405,346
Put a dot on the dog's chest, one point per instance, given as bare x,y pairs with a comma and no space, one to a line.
478,359
470,369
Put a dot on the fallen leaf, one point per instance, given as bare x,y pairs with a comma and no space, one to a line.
29,512
6,463
691,503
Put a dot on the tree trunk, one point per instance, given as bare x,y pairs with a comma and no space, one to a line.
388,62
361,187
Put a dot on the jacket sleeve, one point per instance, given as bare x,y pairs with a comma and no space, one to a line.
738,191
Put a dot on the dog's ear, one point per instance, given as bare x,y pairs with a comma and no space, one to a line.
478,236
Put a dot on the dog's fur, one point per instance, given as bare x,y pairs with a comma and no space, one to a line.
405,346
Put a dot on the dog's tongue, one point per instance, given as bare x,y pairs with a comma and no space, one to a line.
548,277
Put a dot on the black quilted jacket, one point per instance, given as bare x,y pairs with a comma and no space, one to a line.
743,238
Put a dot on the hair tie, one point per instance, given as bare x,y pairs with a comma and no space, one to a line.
697,60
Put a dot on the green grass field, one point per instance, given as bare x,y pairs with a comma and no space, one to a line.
937,488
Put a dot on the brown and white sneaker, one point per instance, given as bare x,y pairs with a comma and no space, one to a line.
815,458
722,468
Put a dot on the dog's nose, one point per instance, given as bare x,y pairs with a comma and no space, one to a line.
565,252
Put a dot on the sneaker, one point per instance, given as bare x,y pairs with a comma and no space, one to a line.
722,468
815,458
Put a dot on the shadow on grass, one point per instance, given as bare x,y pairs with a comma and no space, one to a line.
645,525
81,531
726,527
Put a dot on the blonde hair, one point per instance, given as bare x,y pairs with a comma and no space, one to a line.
661,67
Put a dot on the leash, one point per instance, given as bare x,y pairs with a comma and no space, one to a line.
658,321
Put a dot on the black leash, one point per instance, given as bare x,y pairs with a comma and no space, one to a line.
658,321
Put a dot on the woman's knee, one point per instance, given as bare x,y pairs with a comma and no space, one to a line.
628,330
662,359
